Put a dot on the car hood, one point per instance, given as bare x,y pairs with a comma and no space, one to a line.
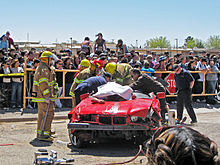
136,107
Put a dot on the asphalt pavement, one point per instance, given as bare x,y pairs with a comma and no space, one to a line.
20,115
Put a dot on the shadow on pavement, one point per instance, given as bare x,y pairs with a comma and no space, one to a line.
109,149
36,143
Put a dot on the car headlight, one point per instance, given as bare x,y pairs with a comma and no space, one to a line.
134,118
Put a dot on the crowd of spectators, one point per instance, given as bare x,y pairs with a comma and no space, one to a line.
12,61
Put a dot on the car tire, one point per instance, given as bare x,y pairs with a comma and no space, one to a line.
75,141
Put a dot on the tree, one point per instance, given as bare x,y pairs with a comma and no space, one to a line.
161,42
189,38
190,42
213,42
199,43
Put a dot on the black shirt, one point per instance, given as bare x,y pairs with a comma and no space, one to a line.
183,80
147,84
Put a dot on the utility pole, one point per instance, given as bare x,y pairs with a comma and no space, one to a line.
176,43
27,37
71,41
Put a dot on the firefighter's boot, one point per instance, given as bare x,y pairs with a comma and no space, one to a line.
45,138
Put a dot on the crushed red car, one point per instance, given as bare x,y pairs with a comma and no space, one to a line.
134,119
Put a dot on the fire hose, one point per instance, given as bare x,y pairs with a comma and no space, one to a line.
6,144
140,151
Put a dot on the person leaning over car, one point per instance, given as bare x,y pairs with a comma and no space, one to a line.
91,85
146,85
120,73
184,84
82,76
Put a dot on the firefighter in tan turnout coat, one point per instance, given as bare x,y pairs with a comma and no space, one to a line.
45,88
120,73
82,76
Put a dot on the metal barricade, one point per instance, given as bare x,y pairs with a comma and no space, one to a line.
66,71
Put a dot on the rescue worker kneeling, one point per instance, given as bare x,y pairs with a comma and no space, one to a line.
91,85
45,89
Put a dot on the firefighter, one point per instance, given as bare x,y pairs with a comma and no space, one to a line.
83,65
82,76
120,73
44,90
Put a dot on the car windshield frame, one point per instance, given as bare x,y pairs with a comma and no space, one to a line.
141,95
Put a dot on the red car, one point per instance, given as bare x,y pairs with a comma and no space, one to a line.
135,119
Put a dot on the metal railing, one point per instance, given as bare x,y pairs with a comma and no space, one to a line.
204,81
26,70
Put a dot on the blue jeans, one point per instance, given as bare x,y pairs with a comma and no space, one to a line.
16,96
210,88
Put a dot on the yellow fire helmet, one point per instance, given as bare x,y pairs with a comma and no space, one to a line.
85,63
45,56
111,67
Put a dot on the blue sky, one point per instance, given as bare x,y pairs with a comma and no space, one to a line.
130,20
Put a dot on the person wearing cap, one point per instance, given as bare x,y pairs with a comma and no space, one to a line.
99,43
45,88
120,73
184,84
160,67
82,76
91,85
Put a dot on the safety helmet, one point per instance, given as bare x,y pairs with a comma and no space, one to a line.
111,67
85,63
45,56
99,63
